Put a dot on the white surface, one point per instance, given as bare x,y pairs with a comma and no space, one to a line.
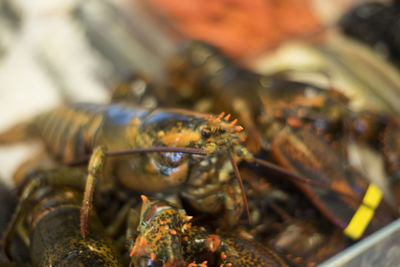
26,88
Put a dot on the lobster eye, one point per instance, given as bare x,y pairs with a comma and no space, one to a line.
205,132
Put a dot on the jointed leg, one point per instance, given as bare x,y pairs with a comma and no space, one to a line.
95,168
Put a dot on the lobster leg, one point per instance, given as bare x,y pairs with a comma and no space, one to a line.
132,222
120,218
95,168
212,199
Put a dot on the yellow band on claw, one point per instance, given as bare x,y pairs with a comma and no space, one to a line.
364,213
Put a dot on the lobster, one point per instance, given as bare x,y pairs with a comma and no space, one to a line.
73,131
167,238
51,214
292,122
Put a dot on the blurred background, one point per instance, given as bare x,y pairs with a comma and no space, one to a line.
66,50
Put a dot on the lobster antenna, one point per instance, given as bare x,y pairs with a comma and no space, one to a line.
295,177
187,150
239,178
197,151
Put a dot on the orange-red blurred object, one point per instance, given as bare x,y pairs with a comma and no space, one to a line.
240,27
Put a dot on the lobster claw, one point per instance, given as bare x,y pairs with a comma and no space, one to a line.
308,155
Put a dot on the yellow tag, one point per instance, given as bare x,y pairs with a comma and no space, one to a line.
364,213
373,196
359,222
